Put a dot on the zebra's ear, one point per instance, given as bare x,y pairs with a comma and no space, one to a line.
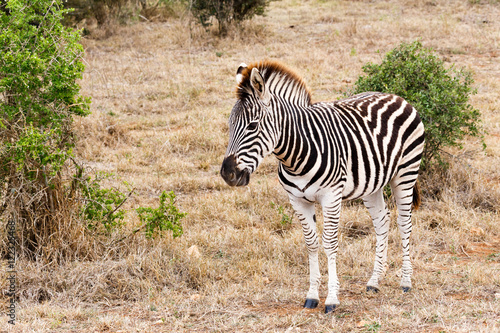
239,76
258,84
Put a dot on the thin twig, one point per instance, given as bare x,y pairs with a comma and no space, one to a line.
121,203
463,250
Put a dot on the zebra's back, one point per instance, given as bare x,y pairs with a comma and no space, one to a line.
381,134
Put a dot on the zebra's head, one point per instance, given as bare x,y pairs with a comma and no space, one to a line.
250,136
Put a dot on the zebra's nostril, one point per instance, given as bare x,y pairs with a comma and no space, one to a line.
228,167
228,170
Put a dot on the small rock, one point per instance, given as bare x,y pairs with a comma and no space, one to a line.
195,297
362,323
265,280
497,296
193,252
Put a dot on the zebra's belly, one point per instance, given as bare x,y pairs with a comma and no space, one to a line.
300,187
312,193
351,193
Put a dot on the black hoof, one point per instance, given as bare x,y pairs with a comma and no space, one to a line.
370,288
406,289
330,308
311,303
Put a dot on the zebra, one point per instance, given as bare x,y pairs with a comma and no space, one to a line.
328,152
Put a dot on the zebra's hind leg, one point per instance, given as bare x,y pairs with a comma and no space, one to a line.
306,213
380,216
403,193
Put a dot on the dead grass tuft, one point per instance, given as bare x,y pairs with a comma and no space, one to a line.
464,184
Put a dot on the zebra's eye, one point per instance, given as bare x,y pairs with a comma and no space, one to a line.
253,125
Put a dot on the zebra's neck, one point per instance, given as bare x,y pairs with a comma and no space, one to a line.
295,131
290,102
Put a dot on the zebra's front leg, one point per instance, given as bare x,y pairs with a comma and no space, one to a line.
306,214
331,213
380,217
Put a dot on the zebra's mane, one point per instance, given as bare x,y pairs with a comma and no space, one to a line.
275,70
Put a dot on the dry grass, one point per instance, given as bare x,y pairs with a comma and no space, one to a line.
162,93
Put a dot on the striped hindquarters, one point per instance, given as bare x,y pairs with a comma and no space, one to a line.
382,137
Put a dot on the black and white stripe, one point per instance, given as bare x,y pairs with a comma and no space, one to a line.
328,152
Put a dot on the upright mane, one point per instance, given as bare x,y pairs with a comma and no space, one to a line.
278,74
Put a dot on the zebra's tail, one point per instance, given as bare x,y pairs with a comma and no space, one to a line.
416,196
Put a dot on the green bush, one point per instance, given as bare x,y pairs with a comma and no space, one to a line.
39,66
40,62
165,217
34,147
440,94
101,206
227,12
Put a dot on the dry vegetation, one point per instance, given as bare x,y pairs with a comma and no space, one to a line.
162,93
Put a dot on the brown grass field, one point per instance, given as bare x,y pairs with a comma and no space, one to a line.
161,96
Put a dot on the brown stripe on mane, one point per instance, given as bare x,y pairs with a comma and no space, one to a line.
266,69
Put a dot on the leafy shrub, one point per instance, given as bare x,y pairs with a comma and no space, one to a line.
102,205
33,147
40,62
227,12
440,95
165,217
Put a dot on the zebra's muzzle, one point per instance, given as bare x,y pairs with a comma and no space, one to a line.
232,175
